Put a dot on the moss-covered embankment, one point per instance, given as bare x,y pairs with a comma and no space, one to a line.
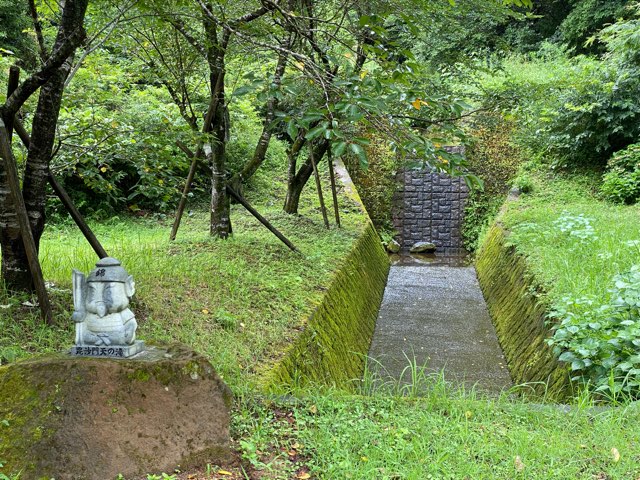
332,347
519,317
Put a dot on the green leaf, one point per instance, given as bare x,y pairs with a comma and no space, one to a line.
360,153
339,148
567,357
362,140
292,129
316,132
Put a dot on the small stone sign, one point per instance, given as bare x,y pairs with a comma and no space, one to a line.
110,352
105,327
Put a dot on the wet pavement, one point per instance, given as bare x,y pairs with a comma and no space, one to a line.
433,311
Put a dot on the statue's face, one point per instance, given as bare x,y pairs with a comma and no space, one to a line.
106,297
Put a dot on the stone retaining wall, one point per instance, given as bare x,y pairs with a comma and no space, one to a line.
333,345
429,207
519,317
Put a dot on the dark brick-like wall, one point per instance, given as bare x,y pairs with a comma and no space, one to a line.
429,207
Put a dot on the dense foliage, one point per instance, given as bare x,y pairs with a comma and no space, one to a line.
600,341
494,159
13,25
376,181
621,183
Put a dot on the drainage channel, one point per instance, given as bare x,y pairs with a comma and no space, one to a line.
433,313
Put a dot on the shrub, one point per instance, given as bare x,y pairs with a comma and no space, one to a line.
376,182
494,159
586,18
602,343
621,183
595,117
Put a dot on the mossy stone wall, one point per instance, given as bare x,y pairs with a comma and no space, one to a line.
333,345
519,317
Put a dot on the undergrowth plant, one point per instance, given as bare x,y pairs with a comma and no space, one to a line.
584,255
602,342
621,183
494,159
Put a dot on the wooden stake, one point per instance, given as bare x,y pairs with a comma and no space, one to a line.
65,199
25,226
206,128
243,201
185,193
334,191
318,185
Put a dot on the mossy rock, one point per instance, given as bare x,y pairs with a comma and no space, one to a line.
86,418
519,318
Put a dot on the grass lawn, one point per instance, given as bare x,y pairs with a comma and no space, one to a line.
569,255
241,301
448,434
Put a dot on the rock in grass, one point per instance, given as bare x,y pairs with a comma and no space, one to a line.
423,247
91,418
392,246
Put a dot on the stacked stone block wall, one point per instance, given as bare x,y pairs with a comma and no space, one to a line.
429,207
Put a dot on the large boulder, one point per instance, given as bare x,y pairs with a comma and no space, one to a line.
79,418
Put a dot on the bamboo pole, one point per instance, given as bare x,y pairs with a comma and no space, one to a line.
318,185
334,191
25,226
66,199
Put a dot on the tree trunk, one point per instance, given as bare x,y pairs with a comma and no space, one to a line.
297,180
260,152
220,222
15,267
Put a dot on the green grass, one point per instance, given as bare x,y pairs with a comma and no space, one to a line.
240,301
447,434
563,264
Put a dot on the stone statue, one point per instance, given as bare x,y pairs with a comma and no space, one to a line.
104,324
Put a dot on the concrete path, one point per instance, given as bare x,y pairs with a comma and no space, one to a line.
437,314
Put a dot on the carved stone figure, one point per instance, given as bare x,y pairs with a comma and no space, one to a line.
101,311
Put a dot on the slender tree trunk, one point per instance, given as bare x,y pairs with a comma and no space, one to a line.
297,180
260,152
220,222
15,267
220,205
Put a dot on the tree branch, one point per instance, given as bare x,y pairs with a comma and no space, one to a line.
42,49
35,81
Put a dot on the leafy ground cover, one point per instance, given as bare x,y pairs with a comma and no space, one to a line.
584,253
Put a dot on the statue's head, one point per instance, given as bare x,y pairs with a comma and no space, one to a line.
109,287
